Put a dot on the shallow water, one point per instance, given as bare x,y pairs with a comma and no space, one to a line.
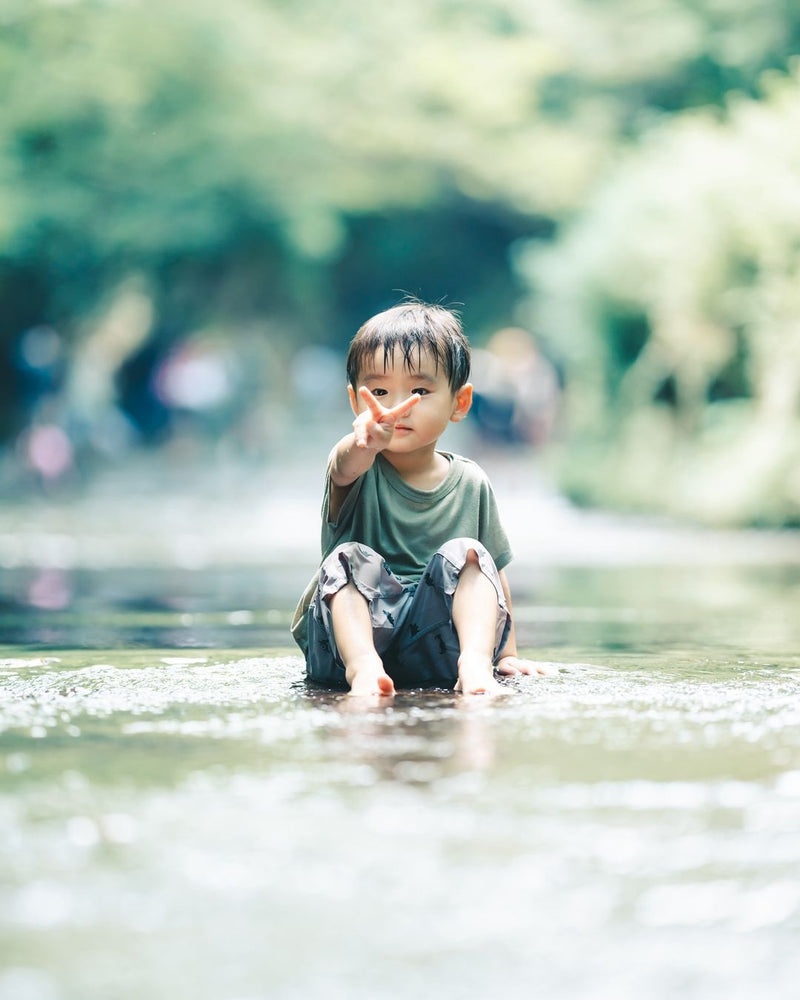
183,817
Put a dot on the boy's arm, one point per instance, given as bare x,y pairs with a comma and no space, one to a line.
346,462
373,430
508,662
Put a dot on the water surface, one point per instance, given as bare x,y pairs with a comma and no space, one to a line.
183,817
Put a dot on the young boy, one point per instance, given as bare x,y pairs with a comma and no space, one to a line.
411,589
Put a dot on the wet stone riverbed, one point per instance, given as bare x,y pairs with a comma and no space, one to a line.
181,816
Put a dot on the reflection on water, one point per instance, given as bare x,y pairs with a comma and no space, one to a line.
182,816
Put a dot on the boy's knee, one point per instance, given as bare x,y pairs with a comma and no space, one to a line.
460,551
454,556
348,589
472,558
349,552
350,561
364,568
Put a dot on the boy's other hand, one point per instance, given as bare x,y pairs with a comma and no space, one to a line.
373,428
516,665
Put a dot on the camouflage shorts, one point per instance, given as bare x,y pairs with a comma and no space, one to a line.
412,623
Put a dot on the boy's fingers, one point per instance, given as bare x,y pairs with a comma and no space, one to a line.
514,665
381,413
375,407
363,427
404,406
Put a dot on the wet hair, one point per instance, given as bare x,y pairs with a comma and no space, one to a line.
413,328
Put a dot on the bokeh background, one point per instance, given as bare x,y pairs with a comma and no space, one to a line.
201,202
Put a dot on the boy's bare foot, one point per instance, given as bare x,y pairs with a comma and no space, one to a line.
366,676
476,675
382,685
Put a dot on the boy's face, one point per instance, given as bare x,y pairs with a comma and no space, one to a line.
425,422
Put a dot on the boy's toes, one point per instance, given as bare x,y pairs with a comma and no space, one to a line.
481,687
381,685
477,682
385,684
475,674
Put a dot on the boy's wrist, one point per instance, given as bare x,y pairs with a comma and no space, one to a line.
348,461
506,653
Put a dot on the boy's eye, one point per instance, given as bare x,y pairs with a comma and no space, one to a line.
378,392
420,392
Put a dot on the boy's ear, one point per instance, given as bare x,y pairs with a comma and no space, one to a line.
463,402
353,400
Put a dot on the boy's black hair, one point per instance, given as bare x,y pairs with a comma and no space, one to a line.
415,328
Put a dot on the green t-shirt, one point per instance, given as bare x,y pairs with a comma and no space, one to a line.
406,525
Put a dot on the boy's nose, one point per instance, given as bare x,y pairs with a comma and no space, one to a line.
406,409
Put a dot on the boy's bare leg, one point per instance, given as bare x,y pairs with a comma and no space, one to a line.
352,629
474,617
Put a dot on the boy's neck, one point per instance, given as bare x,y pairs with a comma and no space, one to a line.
424,469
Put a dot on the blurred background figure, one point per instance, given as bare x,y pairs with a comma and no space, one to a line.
48,452
516,390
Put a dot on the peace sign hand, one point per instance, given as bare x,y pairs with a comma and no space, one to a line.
373,428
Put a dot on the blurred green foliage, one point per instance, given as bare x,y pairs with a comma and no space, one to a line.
620,175
676,294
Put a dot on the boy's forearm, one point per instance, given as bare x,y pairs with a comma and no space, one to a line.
348,462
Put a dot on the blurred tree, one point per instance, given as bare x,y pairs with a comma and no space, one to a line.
676,301
287,163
